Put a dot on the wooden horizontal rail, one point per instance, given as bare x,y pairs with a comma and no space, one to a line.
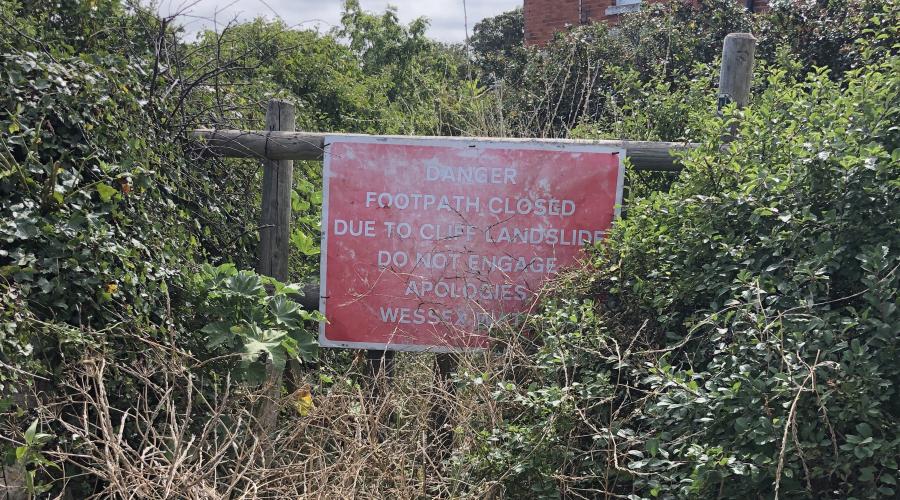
310,298
644,155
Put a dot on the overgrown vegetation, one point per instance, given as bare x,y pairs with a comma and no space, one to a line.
734,337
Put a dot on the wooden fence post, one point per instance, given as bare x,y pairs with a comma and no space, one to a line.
274,239
275,222
736,73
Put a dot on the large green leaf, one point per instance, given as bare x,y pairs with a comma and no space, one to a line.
286,312
266,342
307,344
245,284
218,332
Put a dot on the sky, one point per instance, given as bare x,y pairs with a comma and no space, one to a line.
446,17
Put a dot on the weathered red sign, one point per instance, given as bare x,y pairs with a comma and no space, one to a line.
428,244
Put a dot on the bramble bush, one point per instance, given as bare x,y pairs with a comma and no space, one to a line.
768,276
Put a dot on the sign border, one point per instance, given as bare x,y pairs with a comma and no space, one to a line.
459,142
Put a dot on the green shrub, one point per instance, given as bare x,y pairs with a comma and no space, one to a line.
88,237
588,73
251,324
102,217
769,277
819,33
498,45
749,316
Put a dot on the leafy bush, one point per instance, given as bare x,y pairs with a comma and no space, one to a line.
820,33
778,330
88,236
749,321
590,73
248,321
586,73
498,44
104,217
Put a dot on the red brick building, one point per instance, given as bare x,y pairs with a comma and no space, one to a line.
543,18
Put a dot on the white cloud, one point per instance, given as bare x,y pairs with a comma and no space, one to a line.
446,17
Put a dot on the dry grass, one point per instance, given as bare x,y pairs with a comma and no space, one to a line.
391,434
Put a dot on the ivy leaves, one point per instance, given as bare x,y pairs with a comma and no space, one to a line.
106,192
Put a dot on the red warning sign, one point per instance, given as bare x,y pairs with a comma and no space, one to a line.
430,244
